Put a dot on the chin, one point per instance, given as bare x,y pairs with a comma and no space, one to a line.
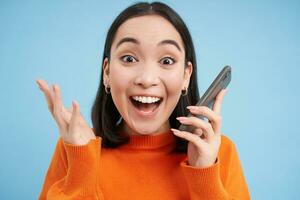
147,129
144,128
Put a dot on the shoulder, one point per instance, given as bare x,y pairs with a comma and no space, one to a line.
227,148
226,142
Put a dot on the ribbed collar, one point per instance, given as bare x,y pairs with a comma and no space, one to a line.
148,142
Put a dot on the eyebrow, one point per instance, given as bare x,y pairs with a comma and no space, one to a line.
135,41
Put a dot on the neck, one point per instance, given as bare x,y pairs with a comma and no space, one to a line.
129,131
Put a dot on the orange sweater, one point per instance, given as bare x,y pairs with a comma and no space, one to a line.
142,169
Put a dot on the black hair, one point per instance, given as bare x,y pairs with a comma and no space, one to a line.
105,115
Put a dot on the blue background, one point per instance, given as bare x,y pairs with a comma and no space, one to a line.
62,42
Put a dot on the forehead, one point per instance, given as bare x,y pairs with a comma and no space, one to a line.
148,29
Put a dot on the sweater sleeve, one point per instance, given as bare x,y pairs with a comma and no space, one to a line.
73,172
223,181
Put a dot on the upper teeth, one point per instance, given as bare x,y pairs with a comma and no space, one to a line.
146,99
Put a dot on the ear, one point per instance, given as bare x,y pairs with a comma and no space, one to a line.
187,74
105,74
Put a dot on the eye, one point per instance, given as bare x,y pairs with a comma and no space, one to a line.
128,59
167,61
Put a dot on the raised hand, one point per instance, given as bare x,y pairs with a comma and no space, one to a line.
72,126
204,142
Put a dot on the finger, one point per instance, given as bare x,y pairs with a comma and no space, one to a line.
213,118
195,139
199,132
75,115
198,123
45,89
218,101
58,107
66,114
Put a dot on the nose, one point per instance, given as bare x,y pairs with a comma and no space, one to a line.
147,76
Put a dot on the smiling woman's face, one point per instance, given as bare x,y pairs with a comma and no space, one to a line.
147,60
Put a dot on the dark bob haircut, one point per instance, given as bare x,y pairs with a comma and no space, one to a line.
105,116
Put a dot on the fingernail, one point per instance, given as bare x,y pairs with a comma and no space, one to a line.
74,104
175,131
191,107
54,88
181,118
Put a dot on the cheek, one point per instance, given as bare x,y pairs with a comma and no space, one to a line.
173,82
119,82
119,79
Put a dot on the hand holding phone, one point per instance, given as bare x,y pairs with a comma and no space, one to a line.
221,82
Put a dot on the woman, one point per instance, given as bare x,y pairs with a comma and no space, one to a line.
134,150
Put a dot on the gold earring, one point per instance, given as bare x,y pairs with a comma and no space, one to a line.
184,92
107,89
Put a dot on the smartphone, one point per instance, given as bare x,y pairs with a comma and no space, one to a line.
221,82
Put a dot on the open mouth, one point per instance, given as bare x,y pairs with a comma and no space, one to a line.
145,107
